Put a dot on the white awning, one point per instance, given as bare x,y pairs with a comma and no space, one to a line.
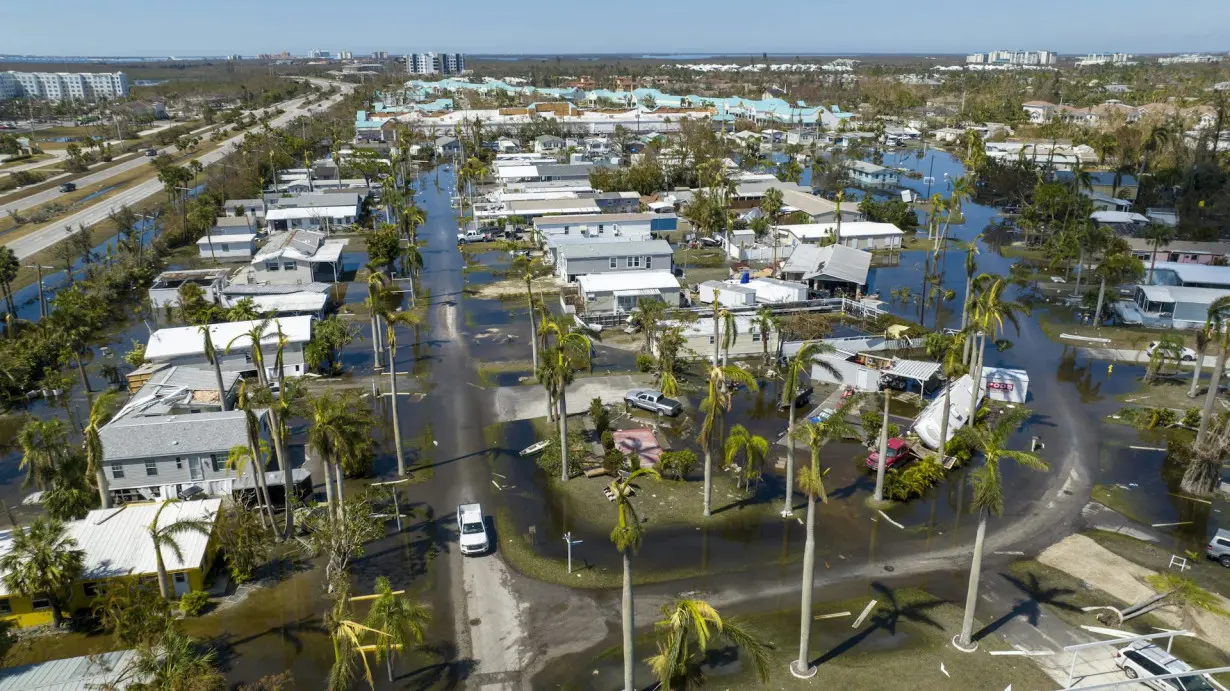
917,370
637,292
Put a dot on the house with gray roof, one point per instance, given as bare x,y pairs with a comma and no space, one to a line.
148,455
581,259
833,269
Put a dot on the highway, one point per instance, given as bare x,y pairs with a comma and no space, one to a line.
40,240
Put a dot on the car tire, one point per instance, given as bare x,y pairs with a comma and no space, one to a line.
1189,358
1225,560
1129,671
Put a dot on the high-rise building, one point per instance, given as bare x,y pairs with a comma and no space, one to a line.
1189,59
380,55
435,63
345,55
1013,57
64,86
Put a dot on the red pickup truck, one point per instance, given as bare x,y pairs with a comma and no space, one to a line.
898,452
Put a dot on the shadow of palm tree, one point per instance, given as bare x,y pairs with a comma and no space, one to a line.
449,673
1030,606
888,614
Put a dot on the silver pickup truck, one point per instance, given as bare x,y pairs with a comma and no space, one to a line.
654,402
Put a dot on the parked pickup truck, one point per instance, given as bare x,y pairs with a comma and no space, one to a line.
899,452
472,528
654,402
472,236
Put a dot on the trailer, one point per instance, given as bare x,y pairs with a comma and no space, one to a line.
727,294
1007,385
776,291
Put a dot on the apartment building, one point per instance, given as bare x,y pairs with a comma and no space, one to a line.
435,63
64,86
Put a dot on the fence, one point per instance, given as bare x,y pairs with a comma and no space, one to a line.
824,305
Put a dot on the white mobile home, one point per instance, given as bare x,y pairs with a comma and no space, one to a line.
637,226
618,292
185,345
575,260
726,294
164,291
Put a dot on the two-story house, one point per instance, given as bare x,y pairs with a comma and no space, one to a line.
185,345
548,144
315,211
147,455
606,257
297,257
232,238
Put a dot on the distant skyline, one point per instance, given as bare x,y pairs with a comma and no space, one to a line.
145,28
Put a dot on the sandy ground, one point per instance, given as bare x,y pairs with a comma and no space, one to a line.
525,402
1085,559
516,288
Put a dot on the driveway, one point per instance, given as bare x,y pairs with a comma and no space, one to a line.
530,401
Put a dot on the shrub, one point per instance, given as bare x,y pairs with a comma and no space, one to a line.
1191,418
612,462
871,421
549,459
608,440
913,480
677,464
193,603
601,418
645,362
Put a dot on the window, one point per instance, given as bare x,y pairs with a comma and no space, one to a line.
40,603
226,247
634,262
117,471
648,262
614,263
6,607
288,266
271,266
151,467
217,461
179,462
90,588
601,227
756,338
711,340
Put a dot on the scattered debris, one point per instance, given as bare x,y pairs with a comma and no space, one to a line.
866,610
945,671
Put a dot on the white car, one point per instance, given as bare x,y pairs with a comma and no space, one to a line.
1142,660
472,529
1187,354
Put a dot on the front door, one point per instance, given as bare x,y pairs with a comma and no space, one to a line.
194,468
181,583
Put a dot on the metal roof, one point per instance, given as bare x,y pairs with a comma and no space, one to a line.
615,249
136,436
627,280
836,262
305,245
596,218
87,672
1194,275
200,382
918,370
232,222
188,340
318,199
245,289
116,541
554,206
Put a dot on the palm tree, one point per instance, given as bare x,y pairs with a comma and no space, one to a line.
1204,337
43,446
165,535
101,410
754,447
771,204
990,313
648,316
626,535
411,218
717,402
797,367
242,311
572,349
992,441
214,358
765,322
393,319
377,296
528,269
403,620
684,634
176,663
331,438
946,349
1159,235
255,452
971,267
1091,239
43,561
254,336
725,329
1117,266
1219,318
811,482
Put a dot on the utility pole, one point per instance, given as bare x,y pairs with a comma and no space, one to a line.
42,304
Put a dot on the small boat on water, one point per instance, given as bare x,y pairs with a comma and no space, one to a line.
535,447
961,405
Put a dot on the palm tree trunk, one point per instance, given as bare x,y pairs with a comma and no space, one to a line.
1152,263
85,381
533,329
1219,371
226,405
1191,392
341,493
1080,265
708,476
975,570
628,625
1097,313
401,458
104,494
288,482
789,506
716,341
563,433
969,300
944,420
163,587
883,460
375,342
809,569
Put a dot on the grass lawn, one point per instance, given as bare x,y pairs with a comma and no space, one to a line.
1206,572
1121,500
1169,392
703,258
1021,251
900,645
1064,595
1126,338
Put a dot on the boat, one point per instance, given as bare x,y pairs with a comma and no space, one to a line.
960,399
535,447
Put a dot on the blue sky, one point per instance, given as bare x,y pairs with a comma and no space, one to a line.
213,27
